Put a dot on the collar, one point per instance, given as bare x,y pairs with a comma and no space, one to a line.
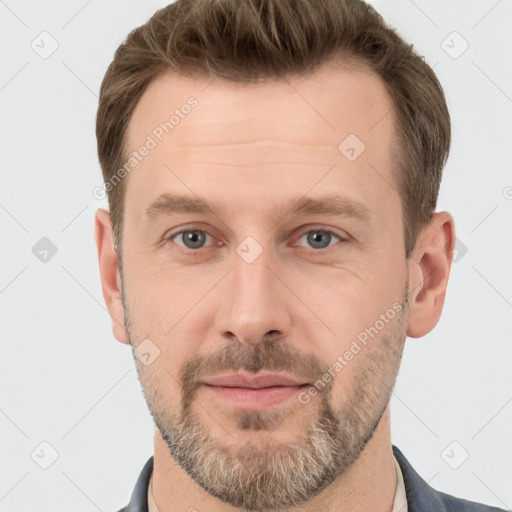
400,501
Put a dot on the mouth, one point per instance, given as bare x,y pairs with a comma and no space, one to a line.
254,391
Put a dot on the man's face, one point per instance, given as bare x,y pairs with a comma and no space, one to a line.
255,288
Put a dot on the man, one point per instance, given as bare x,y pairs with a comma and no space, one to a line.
272,169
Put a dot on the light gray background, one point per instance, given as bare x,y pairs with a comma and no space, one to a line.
66,381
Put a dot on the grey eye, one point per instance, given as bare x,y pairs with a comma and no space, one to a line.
191,239
319,239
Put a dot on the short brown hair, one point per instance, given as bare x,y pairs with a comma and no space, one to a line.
250,40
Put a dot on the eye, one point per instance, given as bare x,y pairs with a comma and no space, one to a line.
193,239
320,238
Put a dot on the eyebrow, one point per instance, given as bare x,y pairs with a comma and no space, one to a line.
332,205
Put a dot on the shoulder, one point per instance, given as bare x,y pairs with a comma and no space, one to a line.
421,497
454,504
139,498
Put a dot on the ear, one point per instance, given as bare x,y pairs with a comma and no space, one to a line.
110,275
429,270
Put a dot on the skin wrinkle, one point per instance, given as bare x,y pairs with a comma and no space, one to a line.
213,164
256,143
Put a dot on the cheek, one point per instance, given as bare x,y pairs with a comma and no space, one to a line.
353,308
160,383
348,298
172,308
159,297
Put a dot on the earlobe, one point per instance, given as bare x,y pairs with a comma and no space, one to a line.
110,275
429,270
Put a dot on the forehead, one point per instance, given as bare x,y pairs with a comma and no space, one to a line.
272,136
322,107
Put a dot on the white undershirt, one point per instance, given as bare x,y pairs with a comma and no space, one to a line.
399,505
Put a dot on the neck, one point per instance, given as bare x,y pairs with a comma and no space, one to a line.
369,484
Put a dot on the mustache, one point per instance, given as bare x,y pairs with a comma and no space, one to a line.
269,355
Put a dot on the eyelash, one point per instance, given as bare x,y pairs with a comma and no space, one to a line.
325,250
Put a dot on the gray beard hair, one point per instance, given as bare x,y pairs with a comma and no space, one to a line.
269,476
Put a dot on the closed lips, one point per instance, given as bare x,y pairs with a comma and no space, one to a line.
253,382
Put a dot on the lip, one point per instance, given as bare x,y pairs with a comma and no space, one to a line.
266,380
253,392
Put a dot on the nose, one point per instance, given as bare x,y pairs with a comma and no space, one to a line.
254,301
